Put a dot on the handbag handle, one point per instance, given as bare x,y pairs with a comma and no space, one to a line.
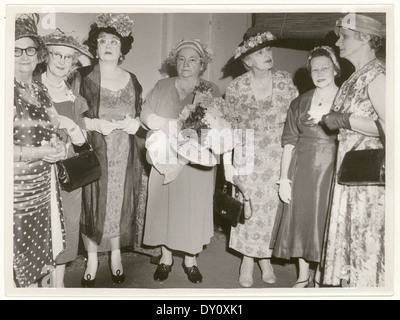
381,136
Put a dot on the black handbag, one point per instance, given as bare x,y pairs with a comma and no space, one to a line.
79,170
228,207
364,167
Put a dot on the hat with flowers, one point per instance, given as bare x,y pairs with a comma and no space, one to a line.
121,22
254,39
60,38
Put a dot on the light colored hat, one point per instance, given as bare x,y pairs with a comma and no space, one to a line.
203,50
60,38
361,23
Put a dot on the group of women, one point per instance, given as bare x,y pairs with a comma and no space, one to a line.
298,208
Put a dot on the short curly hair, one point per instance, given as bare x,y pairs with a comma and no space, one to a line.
91,42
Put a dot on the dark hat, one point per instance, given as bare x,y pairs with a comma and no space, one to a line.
254,39
26,26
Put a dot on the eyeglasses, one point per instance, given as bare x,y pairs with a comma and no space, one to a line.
30,51
112,42
323,70
58,56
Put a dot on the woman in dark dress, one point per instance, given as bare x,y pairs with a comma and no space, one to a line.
63,51
114,100
307,169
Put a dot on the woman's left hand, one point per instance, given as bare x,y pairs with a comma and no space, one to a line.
129,125
60,154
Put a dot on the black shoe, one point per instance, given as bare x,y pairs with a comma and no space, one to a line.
88,282
118,278
162,271
193,273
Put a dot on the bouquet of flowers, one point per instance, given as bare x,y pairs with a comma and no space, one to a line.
205,123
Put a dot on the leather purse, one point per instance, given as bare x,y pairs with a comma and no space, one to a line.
364,167
228,207
79,170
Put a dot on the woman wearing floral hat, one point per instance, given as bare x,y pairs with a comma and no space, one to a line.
258,100
63,51
114,98
179,214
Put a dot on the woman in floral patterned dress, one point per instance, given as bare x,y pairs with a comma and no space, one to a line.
258,100
355,242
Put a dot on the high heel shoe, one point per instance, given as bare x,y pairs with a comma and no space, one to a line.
302,284
117,278
88,282
246,277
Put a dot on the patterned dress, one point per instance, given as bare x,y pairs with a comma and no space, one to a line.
114,105
355,248
38,217
267,119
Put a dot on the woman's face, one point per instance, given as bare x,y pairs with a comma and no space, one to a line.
26,63
261,60
60,60
108,47
349,43
188,63
322,71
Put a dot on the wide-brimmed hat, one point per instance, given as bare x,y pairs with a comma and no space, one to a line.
361,23
254,39
205,52
26,26
60,38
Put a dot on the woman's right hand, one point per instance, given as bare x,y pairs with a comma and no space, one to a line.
285,191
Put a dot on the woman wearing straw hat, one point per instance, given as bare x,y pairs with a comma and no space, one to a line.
63,51
355,242
258,100
179,214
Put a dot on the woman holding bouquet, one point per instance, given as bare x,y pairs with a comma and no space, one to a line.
179,214
258,100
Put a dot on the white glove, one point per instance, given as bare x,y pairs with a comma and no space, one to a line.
73,130
102,126
155,122
230,172
285,190
129,125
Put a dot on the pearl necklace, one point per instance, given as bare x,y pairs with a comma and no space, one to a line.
55,87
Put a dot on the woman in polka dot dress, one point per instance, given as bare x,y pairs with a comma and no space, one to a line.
38,216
